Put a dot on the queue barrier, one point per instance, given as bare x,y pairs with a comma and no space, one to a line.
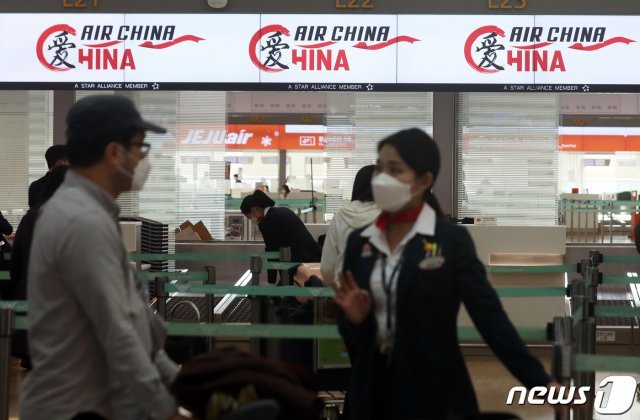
580,361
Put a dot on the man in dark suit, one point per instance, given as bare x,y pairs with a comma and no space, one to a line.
55,155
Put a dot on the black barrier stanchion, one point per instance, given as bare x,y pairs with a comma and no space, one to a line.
285,256
561,332
255,266
584,294
6,332
161,296
209,302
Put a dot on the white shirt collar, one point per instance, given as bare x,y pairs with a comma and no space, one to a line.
425,224
266,210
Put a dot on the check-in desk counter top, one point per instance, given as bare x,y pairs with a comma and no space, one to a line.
522,246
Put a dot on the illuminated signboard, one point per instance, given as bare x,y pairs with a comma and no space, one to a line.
321,52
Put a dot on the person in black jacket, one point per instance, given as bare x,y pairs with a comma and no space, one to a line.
5,229
20,258
404,279
280,227
55,156
5,226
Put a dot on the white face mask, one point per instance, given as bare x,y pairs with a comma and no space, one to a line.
389,194
140,174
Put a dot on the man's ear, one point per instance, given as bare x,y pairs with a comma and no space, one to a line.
113,154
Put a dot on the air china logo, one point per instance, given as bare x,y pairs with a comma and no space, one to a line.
272,50
488,50
59,49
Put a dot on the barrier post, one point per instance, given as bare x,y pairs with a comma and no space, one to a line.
584,296
6,332
561,334
209,302
255,266
161,295
285,256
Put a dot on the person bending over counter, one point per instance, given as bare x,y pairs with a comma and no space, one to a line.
280,227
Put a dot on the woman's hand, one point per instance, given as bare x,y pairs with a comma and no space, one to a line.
355,302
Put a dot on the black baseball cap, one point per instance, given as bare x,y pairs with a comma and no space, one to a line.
105,116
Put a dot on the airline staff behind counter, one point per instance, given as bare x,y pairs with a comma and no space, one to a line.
280,227
404,279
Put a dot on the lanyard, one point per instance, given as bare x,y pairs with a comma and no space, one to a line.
388,286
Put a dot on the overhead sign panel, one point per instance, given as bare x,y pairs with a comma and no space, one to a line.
321,52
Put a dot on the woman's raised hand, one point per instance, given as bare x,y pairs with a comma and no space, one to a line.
355,302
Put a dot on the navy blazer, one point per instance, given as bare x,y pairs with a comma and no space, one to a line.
429,379
281,227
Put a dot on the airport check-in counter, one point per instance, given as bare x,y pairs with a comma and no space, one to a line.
524,246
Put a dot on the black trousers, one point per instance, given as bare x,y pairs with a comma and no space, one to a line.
382,392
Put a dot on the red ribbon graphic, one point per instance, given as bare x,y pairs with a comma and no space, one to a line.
183,38
534,46
594,47
402,38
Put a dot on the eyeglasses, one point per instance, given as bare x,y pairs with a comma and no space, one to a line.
144,147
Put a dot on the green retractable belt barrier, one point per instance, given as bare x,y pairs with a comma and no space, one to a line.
537,334
621,258
619,279
218,256
275,265
259,331
18,305
293,291
616,311
531,269
605,363
191,275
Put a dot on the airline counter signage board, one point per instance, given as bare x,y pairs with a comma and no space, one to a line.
260,137
512,53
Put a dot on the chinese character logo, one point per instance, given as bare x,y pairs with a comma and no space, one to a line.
265,48
54,46
482,47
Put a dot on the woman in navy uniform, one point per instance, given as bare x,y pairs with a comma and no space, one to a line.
404,279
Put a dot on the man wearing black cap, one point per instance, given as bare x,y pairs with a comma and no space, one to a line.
96,348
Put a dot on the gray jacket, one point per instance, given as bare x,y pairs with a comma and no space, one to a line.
95,345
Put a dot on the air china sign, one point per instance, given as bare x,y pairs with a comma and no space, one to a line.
490,49
320,52
328,48
63,47
275,48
